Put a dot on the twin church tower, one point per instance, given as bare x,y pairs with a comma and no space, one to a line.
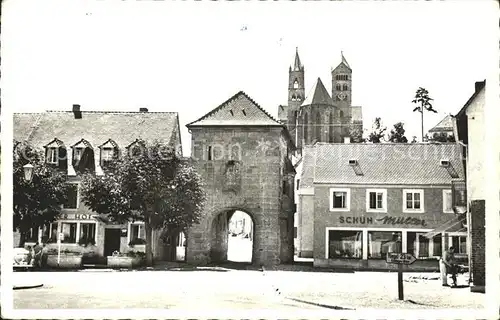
317,116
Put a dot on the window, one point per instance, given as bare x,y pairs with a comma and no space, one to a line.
339,199
298,184
52,155
305,127
447,201
107,154
341,114
382,242
32,235
284,187
69,231
437,245
87,233
418,245
330,127
136,231
345,87
72,194
413,201
296,84
78,152
318,127
345,244
52,231
376,200
338,87
459,244
209,153
295,232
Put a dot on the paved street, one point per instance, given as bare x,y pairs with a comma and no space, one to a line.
235,289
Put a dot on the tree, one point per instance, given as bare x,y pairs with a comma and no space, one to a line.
423,101
397,134
442,137
38,201
356,133
150,183
378,131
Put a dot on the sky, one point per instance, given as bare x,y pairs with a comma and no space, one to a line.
189,57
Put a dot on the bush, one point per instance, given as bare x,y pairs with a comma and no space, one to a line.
67,252
137,241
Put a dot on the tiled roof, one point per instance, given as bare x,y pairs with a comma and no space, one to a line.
96,127
239,110
318,95
387,163
282,112
443,125
357,113
307,174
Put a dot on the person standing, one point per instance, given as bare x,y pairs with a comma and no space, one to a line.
37,259
448,261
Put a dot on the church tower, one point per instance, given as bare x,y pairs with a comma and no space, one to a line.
296,92
342,89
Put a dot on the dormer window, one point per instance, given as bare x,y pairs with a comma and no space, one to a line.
55,153
78,152
107,154
83,156
52,155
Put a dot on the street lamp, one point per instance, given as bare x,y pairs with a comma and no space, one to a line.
28,172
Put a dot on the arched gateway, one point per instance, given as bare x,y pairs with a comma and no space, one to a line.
244,157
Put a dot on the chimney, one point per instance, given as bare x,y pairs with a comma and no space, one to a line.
76,111
347,139
143,109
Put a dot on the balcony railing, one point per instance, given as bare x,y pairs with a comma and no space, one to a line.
459,193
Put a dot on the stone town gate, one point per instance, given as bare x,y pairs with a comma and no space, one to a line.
243,155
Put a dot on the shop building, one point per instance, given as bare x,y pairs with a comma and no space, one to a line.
77,140
365,200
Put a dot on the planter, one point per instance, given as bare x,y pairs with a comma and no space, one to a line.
67,261
124,262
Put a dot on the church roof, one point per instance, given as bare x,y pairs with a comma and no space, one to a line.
297,65
344,61
443,125
318,95
239,110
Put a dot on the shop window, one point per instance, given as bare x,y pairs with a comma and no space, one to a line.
72,196
459,243
447,201
413,201
437,246
339,199
69,231
345,244
376,200
417,244
50,232
87,233
382,242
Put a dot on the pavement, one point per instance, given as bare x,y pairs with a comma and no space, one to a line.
213,288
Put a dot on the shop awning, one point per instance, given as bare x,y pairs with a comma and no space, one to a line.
455,223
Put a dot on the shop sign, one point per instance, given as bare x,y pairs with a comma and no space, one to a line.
77,216
385,220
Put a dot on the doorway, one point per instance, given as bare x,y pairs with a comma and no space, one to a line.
112,241
240,237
